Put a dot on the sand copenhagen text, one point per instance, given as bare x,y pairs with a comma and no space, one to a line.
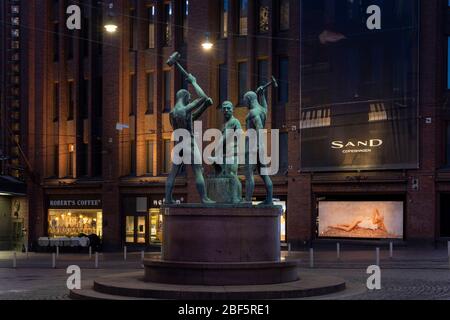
241,148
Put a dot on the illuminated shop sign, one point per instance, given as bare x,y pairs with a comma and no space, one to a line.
75,203
361,219
359,85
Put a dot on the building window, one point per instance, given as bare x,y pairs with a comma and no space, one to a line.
70,161
167,35
284,15
97,165
150,83
167,92
98,97
185,8
448,62
133,94
223,83
224,11
56,160
151,27
56,42
167,163
55,108
243,17
84,101
149,157
242,81
71,109
284,155
263,16
85,37
73,222
283,90
132,28
133,157
448,144
263,72
69,45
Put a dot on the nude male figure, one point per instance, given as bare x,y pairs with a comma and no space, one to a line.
183,116
256,119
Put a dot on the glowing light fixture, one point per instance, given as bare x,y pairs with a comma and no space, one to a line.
110,25
207,44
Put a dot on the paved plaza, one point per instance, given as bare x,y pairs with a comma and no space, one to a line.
413,273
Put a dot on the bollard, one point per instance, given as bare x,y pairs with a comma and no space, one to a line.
289,248
391,250
377,253
14,260
57,251
90,253
125,253
53,261
338,251
96,260
311,258
142,256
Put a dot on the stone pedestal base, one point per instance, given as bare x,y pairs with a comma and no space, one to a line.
220,274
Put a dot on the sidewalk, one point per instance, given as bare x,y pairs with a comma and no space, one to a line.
403,258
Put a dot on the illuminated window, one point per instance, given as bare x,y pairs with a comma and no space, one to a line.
263,17
167,35
284,15
133,94
150,92
167,163
151,27
243,17
72,223
149,145
224,18
70,161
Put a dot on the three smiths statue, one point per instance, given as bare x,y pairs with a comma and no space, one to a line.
183,116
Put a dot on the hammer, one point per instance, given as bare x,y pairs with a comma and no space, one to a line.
274,83
173,60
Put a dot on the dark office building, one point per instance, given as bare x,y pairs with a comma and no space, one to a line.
361,108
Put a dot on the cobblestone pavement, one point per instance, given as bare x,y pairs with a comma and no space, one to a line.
412,274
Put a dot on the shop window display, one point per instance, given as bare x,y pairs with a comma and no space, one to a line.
72,223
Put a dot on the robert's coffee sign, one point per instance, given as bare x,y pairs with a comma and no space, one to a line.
359,85
75,203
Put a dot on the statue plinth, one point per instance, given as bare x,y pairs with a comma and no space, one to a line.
221,245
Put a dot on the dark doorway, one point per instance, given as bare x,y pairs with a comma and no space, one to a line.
445,215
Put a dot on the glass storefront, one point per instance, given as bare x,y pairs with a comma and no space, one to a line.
144,219
73,222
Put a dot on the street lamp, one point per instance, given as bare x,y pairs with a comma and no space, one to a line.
110,25
207,44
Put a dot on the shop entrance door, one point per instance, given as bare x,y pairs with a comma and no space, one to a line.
136,227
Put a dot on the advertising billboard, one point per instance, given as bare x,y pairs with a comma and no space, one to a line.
359,85
361,219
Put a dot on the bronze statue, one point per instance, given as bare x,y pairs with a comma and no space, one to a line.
183,116
256,119
229,165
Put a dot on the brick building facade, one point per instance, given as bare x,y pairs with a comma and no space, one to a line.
98,133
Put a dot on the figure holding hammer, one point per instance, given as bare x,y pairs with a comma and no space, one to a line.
256,119
183,116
